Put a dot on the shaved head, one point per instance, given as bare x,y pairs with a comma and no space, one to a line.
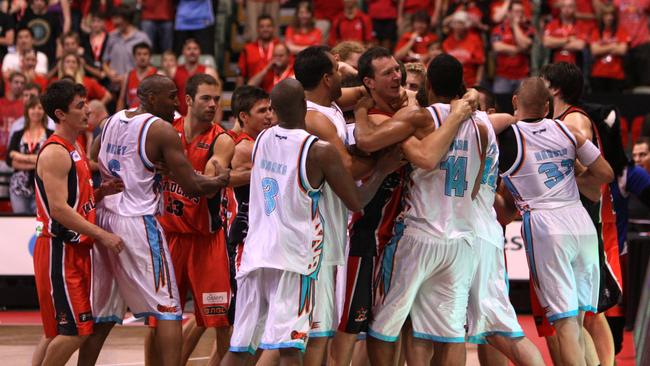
532,97
154,84
159,96
288,102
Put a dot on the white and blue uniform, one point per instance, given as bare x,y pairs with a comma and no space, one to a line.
283,252
490,311
560,238
142,275
428,267
335,222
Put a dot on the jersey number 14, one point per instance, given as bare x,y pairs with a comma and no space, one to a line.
456,170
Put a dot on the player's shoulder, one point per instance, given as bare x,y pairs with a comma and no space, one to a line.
54,156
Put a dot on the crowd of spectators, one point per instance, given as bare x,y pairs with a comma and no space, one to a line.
107,45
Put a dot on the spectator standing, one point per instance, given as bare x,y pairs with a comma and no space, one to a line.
257,54
12,108
194,19
474,12
407,8
28,68
565,36
609,44
512,41
29,91
71,66
191,54
7,32
24,42
499,10
129,92
255,8
23,150
325,11
280,68
302,33
466,47
414,46
94,44
352,25
169,64
384,21
46,28
633,16
118,55
157,20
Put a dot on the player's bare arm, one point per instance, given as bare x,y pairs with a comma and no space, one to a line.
370,137
324,164
428,152
483,137
163,144
598,171
504,205
581,123
501,121
53,167
319,125
241,164
223,151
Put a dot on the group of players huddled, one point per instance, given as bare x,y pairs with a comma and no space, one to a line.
303,231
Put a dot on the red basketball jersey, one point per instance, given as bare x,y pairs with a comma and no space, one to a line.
191,214
80,196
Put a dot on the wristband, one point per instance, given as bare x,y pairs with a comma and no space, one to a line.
587,153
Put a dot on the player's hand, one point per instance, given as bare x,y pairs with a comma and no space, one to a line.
365,103
111,241
403,100
221,174
347,70
391,160
462,108
110,187
472,96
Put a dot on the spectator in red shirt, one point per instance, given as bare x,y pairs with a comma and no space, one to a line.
472,9
28,68
633,17
129,91
499,10
414,46
407,8
303,32
71,65
383,14
511,40
256,55
466,47
12,109
324,12
609,44
280,68
352,25
191,54
566,37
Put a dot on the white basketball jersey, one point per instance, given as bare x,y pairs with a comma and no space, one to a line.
335,214
439,201
284,221
487,226
542,175
122,155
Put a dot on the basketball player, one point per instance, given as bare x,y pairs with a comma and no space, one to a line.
276,293
566,84
132,142
372,228
66,228
537,165
491,317
428,266
317,70
193,225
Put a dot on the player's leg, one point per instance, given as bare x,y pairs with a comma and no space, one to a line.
220,348
601,335
268,357
89,351
591,355
290,357
490,356
191,336
360,354
521,351
448,354
356,309
420,352
61,349
398,282
39,351
322,328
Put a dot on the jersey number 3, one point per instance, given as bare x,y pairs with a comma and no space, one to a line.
456,168
270,189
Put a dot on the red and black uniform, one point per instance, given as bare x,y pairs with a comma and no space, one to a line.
194,230
180,79
604,218
132,83
62,261
370,231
